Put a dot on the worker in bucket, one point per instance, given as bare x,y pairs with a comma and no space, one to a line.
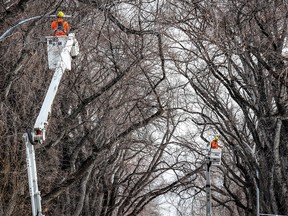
214,143
59,26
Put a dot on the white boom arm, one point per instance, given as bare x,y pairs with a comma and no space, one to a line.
208,189
213,159
59,58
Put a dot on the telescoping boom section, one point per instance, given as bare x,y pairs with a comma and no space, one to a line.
60,50
213,159
59,59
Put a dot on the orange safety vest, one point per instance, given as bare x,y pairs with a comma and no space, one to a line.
214,144
60,27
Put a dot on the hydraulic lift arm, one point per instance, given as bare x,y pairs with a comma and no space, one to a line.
60,50
213,159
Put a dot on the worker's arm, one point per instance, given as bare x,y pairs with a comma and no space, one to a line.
53,25
66,28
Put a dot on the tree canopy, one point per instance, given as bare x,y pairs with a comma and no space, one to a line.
154,83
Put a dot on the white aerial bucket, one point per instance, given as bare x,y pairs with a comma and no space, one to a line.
215,156
55,45
60,49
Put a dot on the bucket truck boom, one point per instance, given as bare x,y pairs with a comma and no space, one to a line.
213,159
60,50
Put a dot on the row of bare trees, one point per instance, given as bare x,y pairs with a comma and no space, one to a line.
236,65
155,81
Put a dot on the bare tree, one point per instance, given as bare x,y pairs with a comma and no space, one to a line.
234,64
100,157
